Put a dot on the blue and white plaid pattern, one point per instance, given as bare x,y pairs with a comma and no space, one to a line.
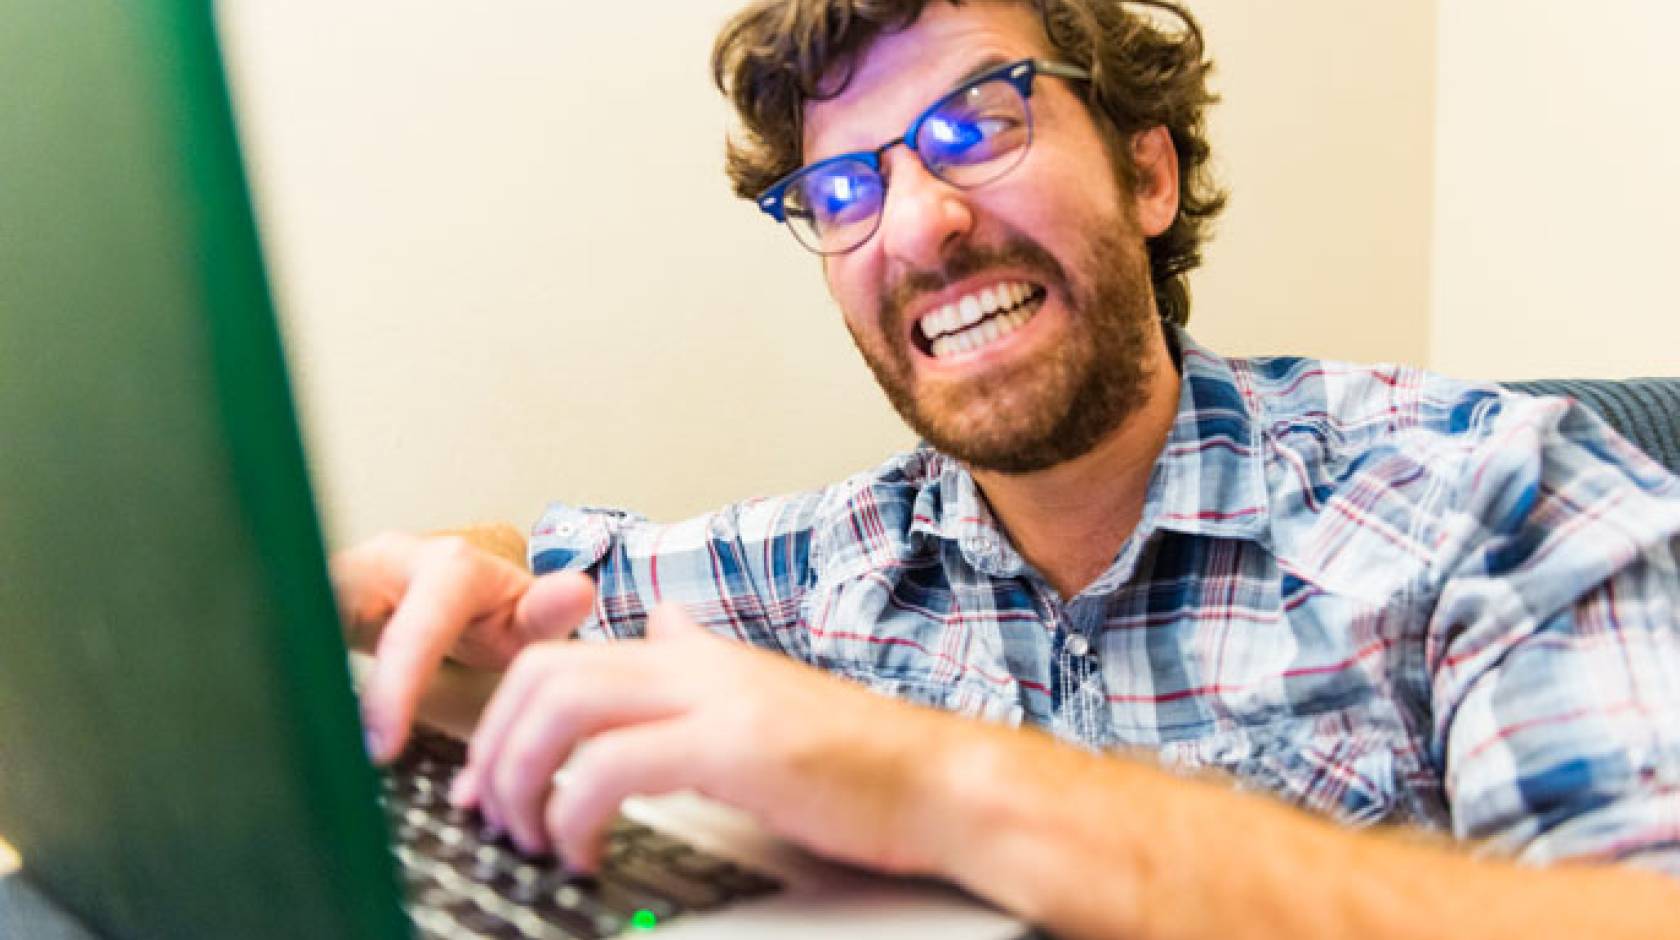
1374,592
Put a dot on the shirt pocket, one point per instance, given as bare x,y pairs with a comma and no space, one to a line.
1339,765
923,642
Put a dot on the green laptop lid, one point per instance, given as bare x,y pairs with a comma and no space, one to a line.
179,755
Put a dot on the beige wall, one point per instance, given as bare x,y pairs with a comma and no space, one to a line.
1558,161
510,270
1325,138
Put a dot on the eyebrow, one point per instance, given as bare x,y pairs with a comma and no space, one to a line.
986,64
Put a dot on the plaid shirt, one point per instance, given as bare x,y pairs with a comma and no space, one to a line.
1374,592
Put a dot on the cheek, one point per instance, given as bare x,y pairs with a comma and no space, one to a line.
1061,199
1082,179
852,285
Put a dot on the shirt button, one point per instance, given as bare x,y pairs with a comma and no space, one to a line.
1078,645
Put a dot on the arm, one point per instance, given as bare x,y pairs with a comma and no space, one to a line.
1093,846
1553,649
1102,846
1554,659
1085,845
468,594
1554,653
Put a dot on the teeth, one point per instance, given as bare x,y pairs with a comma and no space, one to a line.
971,309
952,326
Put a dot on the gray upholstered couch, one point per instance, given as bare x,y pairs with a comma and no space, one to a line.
1645,411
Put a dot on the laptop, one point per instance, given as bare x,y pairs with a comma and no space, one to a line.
180,754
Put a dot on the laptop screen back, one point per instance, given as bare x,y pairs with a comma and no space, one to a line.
178,751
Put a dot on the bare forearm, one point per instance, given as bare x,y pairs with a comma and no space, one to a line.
1092,846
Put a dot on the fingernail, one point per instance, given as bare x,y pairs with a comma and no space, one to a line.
375,744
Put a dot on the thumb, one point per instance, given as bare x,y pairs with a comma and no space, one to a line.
554,605
669,621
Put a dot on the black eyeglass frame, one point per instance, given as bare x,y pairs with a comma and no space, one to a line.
1019,74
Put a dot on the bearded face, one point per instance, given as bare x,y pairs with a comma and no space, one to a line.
1009,323
1045,405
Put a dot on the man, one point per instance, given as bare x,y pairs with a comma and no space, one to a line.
1372,593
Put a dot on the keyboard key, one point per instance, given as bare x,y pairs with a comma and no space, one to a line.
746,883
544,922
627,899
688,894
467,881
697,864
469,915
650,842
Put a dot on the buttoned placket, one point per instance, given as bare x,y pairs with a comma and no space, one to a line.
1079,694
1082,664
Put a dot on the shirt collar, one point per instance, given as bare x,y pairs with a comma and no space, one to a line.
1211,476
1209,480
953,509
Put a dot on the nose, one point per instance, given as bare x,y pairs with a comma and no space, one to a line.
923,215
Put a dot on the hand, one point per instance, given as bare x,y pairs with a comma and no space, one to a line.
416,600
820,761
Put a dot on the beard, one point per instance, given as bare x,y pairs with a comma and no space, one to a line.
1040,411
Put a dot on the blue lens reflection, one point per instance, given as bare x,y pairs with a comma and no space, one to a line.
951,135
843,193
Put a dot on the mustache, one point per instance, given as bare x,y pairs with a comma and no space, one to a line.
967,261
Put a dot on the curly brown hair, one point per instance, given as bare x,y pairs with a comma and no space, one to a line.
776,55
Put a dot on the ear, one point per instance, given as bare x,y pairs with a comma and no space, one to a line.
1156,194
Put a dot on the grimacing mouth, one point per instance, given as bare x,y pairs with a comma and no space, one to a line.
977,318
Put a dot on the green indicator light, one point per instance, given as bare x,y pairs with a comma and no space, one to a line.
644,920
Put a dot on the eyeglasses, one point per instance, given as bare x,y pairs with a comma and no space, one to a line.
968,138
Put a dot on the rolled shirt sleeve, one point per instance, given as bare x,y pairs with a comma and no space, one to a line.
740,571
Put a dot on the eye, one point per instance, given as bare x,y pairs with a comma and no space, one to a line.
840,194
976,125
958,136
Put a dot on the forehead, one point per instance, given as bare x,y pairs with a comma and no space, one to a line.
902,73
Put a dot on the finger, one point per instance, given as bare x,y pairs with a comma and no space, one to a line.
368,580
550,663
538,663
669,621
513,775
653,758
515,778
451,586
555,605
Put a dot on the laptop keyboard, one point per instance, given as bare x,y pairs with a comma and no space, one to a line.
463,881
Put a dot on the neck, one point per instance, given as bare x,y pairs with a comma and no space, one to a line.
1069,521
